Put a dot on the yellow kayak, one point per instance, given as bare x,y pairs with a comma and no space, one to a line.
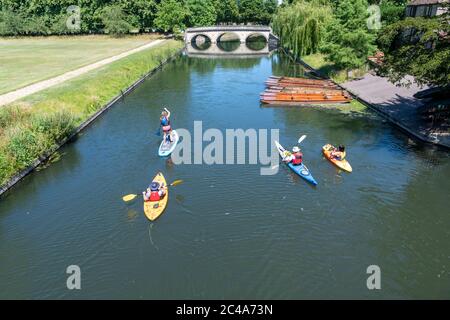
153,209
342,164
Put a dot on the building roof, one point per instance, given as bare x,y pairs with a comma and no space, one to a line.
425,2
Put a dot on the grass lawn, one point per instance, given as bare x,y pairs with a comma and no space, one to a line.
27,60
33,125
318,62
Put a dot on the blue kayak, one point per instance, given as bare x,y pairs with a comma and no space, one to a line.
301,169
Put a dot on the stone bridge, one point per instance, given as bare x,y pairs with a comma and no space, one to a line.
214,33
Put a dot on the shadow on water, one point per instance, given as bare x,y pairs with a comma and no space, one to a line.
267,237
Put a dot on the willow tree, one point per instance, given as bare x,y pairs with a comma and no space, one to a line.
301,25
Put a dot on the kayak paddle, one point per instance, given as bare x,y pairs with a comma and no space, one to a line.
176,182
130,197
303,137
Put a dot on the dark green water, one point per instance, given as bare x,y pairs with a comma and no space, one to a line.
229,232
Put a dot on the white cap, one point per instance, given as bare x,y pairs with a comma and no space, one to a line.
295,149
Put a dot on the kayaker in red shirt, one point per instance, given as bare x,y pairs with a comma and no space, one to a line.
296,158
155,192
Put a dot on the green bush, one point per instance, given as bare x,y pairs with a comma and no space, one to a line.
392,11
115,21
37,26
22,146
26,143
53,127
11,23
6,168
58,26
10,115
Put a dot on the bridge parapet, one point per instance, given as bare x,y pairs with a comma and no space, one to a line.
215,32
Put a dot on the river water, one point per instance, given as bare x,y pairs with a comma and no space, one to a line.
229,232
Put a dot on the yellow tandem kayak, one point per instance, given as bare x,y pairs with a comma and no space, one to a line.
342,164
153,209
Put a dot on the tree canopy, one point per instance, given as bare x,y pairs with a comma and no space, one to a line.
348,40
418,47
201,13
24,17
301,26
227,11
171,16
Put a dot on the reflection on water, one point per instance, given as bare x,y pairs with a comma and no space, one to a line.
228,49
256,44
228,46
201,45
229,232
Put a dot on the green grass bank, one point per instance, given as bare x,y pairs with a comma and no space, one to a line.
37,123
318,61
27,60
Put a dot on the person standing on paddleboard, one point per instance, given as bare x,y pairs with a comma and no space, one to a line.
165,124
296,158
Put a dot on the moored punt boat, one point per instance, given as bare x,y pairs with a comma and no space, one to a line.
294,85
315,82
297,103
298,80
286,90
300,93
303,90
306,100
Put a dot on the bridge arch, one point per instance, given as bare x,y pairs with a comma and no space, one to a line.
257,36
256,41
228,36
215,32
203,44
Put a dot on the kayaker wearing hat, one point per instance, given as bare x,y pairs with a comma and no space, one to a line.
296,158
155,192
339,153
165,124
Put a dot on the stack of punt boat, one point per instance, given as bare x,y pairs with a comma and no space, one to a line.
292,91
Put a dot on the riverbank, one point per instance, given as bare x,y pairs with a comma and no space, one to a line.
35,126
328,69
396,104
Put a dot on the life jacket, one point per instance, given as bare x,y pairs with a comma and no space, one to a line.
298,158
165,123
154,196
340,156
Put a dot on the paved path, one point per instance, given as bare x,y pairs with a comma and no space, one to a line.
33,88
397,103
